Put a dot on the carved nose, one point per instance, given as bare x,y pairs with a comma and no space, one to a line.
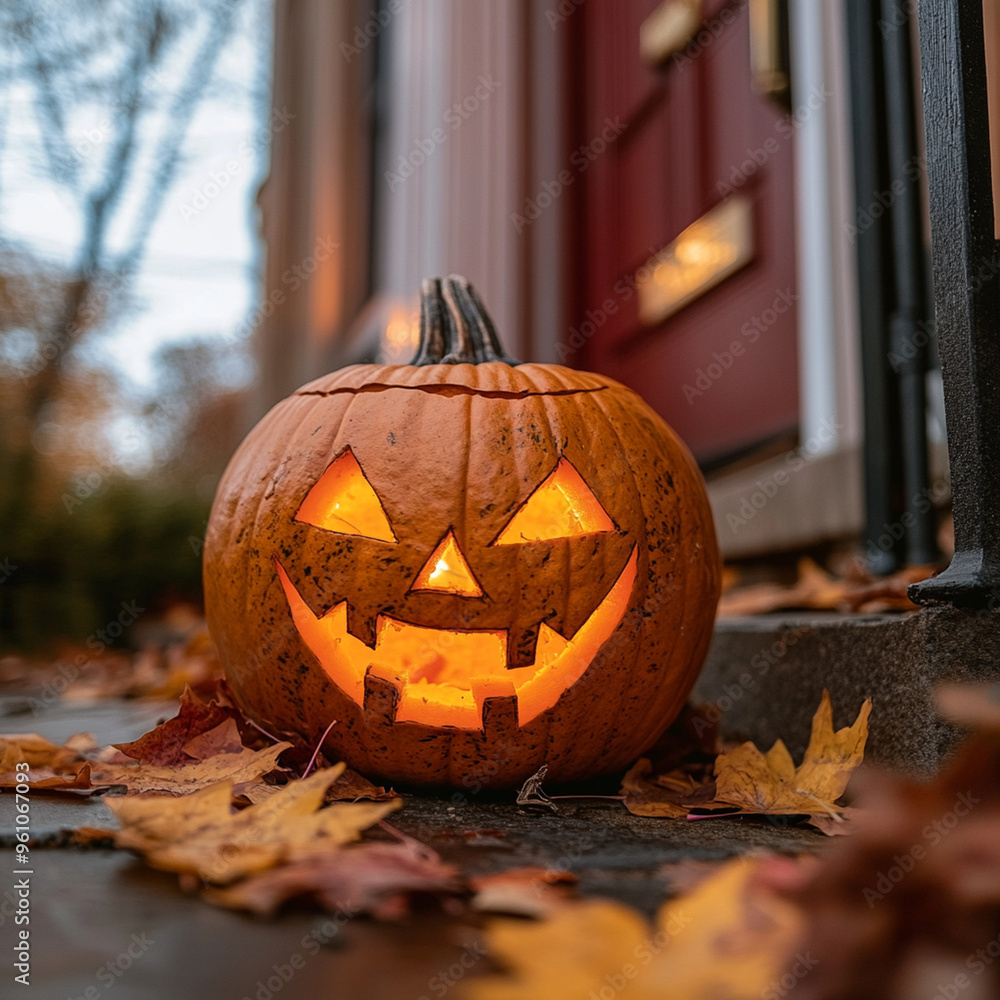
447,572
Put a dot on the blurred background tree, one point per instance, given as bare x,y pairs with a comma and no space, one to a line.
104,483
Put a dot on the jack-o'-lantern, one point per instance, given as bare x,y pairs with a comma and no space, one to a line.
473,566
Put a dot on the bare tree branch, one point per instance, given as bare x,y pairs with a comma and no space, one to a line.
180,114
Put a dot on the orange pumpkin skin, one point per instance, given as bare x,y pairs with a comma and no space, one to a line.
461,448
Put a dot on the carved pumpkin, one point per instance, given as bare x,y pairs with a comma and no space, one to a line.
474,566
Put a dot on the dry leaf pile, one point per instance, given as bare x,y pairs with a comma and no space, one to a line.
817,589
236,821
201,834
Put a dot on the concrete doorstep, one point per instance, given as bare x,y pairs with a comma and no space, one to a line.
765,676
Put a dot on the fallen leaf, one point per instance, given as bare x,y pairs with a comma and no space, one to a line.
529,891
772,784
369,878
728,939
37,752
351,786
817,589
165,744
838,825
671,795
687,874
971,705
200,833
224,738
814,588
242,770
52,769
909,905
91,836
749,782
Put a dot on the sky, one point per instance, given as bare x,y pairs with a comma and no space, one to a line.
200,273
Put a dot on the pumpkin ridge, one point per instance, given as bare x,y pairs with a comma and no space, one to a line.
452,389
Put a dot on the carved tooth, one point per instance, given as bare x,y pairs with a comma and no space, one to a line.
492,690
550,645
499,718
492,686
383,693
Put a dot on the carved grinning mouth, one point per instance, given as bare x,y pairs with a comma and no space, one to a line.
444,676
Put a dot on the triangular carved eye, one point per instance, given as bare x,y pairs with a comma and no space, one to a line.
561,507
343,500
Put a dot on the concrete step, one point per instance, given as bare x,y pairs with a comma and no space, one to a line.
765,675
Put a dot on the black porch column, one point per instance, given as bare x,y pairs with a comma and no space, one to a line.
965,268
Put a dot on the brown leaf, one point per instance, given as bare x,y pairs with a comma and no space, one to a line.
165,744
369,878
241,770
530,891
687,874
669,795
971,705
772,784
37,752
841,824
730,938
201,834
224,738
52,769
817,589
351,786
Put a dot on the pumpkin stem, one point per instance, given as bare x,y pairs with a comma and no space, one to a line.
455,328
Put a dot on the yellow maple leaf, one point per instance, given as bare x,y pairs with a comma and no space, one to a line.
201,834
771,783
721,941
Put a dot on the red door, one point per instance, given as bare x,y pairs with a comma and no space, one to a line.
694,145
